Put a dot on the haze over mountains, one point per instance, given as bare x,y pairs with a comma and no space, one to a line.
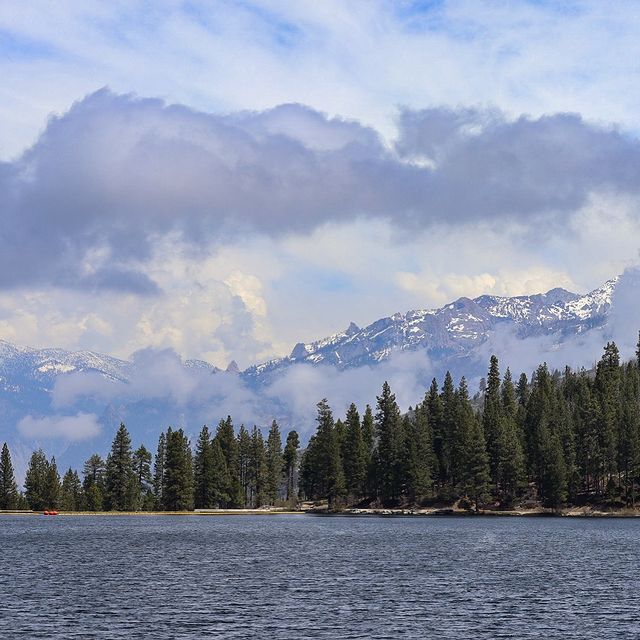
71,402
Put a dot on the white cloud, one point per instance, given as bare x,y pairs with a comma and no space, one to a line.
75,428
355,59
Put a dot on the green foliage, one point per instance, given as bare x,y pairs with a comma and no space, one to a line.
419,456
274,463
158,472
9,496
354,455
177,485
230,494
322,473
476,476
120,474
71,495
142,487
389,453
204,471
245,448
571,437
290,459
42,483
257,470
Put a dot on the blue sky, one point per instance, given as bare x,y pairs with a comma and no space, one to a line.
432,159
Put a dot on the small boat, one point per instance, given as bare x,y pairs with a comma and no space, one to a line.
49,513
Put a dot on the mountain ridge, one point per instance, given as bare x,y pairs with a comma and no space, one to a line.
452,328
156,388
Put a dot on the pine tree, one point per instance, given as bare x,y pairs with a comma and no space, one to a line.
274,463
71,498
607,385
368,438
509,395
9,495
36,480
419,453
389,450
354,455
459,440
629,429
220,477
119,473
244,465
178,472
143,485
539,410
225,436
329,451
447,430
477,472
52,485
258,469
290,458
321,470
433,402
203,471
512,461
493,422
158,472
93,484
553,485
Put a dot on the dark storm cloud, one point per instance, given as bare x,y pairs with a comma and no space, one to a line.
87,204
489,167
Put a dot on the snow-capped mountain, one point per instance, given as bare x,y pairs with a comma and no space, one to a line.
453,330
39,388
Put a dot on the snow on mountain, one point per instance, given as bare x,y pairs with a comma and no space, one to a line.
40,367
157,388
453,330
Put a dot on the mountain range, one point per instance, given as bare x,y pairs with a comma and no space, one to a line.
153,389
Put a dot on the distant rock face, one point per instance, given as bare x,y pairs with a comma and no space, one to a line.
453,330
233,367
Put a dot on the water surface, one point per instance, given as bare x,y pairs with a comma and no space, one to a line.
313,577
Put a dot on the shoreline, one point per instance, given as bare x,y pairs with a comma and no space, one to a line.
539,512
212,512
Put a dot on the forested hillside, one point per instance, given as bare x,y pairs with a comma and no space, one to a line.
561,438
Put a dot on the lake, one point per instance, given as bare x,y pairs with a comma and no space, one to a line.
318,577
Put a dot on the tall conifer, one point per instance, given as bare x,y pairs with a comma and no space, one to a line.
290,458
8,488
120,473
274,463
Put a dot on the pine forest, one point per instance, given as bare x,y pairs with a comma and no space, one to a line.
556,439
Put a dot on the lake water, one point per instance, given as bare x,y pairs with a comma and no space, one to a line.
313,577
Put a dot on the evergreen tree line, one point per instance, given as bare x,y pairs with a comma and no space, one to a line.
560,438
570,437
225,471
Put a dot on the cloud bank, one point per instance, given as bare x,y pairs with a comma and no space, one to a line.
90,204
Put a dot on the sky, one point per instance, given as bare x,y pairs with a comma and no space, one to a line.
227,179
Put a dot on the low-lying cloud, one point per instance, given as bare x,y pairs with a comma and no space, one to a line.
73,428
